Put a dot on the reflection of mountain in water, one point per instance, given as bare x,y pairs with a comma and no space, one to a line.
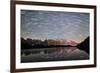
53,50
33,43
53,54
84,45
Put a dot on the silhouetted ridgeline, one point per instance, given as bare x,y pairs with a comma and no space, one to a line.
35,43
85,45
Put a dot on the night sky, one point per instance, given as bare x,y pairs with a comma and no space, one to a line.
43,25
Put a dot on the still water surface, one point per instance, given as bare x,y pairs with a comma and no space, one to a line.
53,54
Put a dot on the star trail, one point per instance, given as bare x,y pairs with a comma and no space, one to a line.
43,25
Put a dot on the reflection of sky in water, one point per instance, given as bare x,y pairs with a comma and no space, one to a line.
54,54
54,25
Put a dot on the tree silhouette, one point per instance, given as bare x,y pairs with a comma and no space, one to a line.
26,44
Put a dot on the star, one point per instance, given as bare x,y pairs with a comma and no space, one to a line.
54,24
